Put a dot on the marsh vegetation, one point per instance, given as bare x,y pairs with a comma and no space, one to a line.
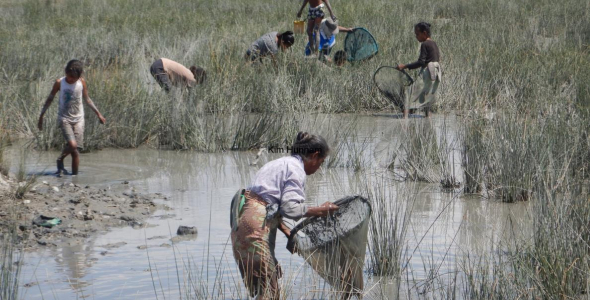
515,75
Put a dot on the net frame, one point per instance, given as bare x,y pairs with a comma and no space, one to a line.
349,45
395,95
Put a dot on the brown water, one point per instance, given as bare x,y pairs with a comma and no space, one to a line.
444,225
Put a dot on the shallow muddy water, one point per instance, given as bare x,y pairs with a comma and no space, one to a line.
444,225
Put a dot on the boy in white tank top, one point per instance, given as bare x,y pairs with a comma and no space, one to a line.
70,116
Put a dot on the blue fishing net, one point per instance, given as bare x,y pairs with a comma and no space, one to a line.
360,45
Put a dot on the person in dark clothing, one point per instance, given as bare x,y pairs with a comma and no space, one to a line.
428,61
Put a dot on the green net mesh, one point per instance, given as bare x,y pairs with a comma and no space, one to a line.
335,246
359,45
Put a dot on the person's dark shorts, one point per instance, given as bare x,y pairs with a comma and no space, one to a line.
316,12
157,70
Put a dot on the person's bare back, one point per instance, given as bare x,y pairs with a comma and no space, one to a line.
315,3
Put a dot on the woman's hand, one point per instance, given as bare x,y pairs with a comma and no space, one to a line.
322,210
331,207
400,67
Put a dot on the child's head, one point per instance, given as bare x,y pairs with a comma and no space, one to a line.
340,58
422,31
313,149
286,40
199,73
74,70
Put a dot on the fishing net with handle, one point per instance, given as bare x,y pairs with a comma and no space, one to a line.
335,246
360,45
392,83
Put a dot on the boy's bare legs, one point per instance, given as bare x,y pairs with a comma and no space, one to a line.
73,147
310,28
313,26
60,161
406,113
316,30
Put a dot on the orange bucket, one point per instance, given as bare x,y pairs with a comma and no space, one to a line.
298,26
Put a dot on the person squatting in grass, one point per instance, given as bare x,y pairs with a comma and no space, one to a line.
315,16
422,93
269,45
328,31
70,116
169,73
257,212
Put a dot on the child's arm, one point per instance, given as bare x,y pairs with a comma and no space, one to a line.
302,7
90,103
344,29
330,10
54,91
421,62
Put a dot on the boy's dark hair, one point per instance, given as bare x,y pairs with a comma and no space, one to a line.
340,57
307,144
423,27
287,38
75,68
199,73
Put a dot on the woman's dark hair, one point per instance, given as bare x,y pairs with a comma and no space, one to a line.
340,57
199,73
287,38
75,68
307,144
423,27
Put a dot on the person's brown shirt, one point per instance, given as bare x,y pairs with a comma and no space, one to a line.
428,53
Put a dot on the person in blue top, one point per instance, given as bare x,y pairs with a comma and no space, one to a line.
328,31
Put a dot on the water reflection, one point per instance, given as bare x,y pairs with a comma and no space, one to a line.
443,225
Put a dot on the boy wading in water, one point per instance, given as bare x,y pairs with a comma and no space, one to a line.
314,19
70,116
422,93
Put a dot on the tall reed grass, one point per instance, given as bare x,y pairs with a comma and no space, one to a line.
10,263
392,209
491,56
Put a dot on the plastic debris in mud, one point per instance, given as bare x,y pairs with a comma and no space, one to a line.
45,221
335,246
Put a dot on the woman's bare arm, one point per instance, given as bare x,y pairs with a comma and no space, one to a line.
322,210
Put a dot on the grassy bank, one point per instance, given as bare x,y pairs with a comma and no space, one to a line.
494,54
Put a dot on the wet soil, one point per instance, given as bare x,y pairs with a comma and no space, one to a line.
83,210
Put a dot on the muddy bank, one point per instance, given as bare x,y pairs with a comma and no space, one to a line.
83,211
